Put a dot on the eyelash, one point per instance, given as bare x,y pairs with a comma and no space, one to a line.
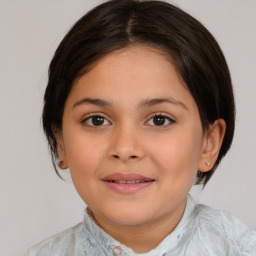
159,115
90,117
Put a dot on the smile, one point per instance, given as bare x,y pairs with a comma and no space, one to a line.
127,183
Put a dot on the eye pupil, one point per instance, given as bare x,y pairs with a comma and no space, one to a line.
159,120
97,120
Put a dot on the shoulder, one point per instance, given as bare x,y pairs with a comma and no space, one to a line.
223,221
60,243
226,230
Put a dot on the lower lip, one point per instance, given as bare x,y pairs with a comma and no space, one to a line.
128,188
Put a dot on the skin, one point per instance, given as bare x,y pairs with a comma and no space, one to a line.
129,140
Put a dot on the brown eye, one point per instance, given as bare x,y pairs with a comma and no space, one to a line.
160,120
96,121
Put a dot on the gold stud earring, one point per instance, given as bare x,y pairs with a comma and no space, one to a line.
61,163
207,163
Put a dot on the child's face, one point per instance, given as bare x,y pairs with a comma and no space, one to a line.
147,130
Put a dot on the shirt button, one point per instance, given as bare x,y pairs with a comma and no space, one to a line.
117,251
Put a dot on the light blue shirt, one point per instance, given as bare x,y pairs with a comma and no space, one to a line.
202,231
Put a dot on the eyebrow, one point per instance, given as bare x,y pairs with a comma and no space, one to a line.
143,104
97,102
152,102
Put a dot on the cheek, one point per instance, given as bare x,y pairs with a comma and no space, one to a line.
83,154
178,154
84,157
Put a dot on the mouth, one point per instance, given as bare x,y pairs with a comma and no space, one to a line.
127,183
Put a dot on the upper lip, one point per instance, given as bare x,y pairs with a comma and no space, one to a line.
126,177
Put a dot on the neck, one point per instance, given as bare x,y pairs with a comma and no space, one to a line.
144,237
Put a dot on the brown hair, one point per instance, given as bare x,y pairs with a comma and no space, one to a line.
121,23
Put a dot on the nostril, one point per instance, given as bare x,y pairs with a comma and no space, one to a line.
131,157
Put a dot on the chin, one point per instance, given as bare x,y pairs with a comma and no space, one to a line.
129,218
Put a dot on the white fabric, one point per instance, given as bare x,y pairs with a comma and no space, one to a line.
202,231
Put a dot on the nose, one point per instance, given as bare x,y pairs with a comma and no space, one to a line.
127,144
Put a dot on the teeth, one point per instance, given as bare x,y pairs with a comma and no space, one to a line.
131,182
121,181
127,181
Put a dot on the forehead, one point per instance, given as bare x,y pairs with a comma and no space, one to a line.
133,72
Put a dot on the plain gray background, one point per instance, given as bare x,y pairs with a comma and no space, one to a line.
35,203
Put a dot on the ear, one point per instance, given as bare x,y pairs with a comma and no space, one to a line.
212,142
63,163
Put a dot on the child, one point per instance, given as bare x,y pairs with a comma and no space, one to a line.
139,106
